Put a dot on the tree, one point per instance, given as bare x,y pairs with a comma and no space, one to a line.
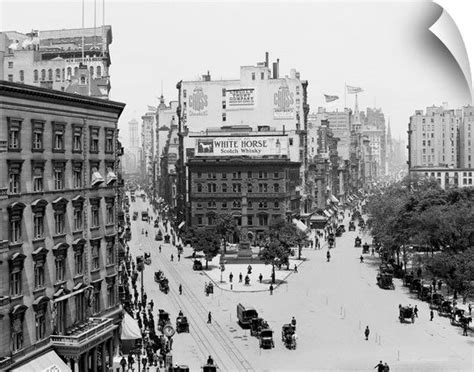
274,253
226,226
206,241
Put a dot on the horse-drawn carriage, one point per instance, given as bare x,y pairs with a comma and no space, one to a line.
209,288
197,265
352,226
408,279
406,312
424,293
445,309
357,242
182,324
159,235
288,336
147,259
365,248
331,240
256,326
162,281
436,300
156,223
266,339
385,281
361,223
167,238
163,319
415,285
339,230
458,318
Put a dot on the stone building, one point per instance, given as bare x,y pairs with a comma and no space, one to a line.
59,198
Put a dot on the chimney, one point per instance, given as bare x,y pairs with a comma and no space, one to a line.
274,70
266,59
278,68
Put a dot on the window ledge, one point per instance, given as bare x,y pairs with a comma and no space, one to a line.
14,150
95,228
59,283
39,290
77,232
78,276
38,240
60,151
76,151
57,236
110,225
93,271
37,150
14,298
15,245
108,266
14,194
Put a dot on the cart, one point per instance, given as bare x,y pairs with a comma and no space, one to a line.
406,312
182,325
352,226
357,242
266,339
385,281
287,332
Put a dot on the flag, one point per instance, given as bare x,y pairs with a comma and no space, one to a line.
352,90
329,98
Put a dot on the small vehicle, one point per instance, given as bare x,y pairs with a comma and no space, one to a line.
357,242
164,286
361,223
245,315
147,260
385,281
436,300
163,319
445,309
182,325
365,248
408,279
167,238
159,276
209,289
415,285
339,231
461,320
159,235
266,339
352,226
331,240
132,198
144,216
209,368
256,326
156,223
287,332
342,228
197,265
135,216
424,292
406,312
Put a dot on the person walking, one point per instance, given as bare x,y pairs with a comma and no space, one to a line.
179,257
240,278
386,368
172,257
180,289
367,333
469,308
379,367
415,310
361,258
209,318
123,363
293,322
159,248
271,289
464,329
431,315
231,276
151,304
260,278
328,256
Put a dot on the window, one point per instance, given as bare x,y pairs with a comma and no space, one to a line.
198,205
249,204
35,76
59,221
10,78
50,74
14,183
98,71
237,175
58,74
211,187
40,324
10,64
276,187
199,187
60,269
236,187
250,220
263,220
262,76
16,270
110,252
95,255
38,225
249,187
76,70
224,205
78,219
262,187
224,105
39,274
236,204
223,92
14,129
95,216
17,333
94,139
77,138
58,176
224,117
276,204
224,187
276,175
199,219
253,75
69,72
110,214
91,71
262,204
211,204
262,174
79,262
43,75
22,76
290,141
96,307
111,294
109,141
249,174
199,174
77,176
37,137
58,137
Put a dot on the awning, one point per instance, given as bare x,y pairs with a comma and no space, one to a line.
111,177
130,329
45,363
326,212
97,179
300,225
317,218
334,199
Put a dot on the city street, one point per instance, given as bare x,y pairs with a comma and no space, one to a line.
332,303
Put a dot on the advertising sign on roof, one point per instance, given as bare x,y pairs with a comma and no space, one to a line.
240,98
197,102
283,101
242,146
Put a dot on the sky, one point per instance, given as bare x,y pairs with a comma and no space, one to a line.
385,48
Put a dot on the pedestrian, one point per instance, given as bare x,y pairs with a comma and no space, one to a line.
434,284
379,367
179,257
469,307
361,258
130,361
172,257
296,268
386,368
159,248
260,278
123,363
293,322
271,289
240,278
431,315
440,284
464,329
373,251
367,333
415,310
209,318
418,272
180,289
249,269
230,277
151,304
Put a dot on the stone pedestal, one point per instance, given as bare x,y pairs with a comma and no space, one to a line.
244,250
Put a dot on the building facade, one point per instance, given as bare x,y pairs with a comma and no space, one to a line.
51,59
58,230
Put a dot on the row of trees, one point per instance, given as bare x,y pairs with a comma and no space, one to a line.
419,213
276,246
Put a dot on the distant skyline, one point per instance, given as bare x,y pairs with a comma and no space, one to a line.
385,48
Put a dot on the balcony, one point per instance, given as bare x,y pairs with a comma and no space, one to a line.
79,335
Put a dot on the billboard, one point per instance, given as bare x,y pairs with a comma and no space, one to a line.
242,98
283,103
197,102
240,146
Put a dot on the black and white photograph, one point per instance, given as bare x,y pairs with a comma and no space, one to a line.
220,186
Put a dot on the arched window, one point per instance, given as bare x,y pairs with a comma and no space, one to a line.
76,70
69,72
43,75
22,76
98,71
91,71
50,74
35,75
58,74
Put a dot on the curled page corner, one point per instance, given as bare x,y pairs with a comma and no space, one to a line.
447,32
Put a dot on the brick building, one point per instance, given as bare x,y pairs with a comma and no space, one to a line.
59,196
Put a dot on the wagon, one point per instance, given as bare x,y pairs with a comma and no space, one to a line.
365,248
385,281
424,292
163,319
197,265
352,226
357,242
287,332
436,300
415,285
164,286
266,339
182,324
256,326
406,312
407,280
445,309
